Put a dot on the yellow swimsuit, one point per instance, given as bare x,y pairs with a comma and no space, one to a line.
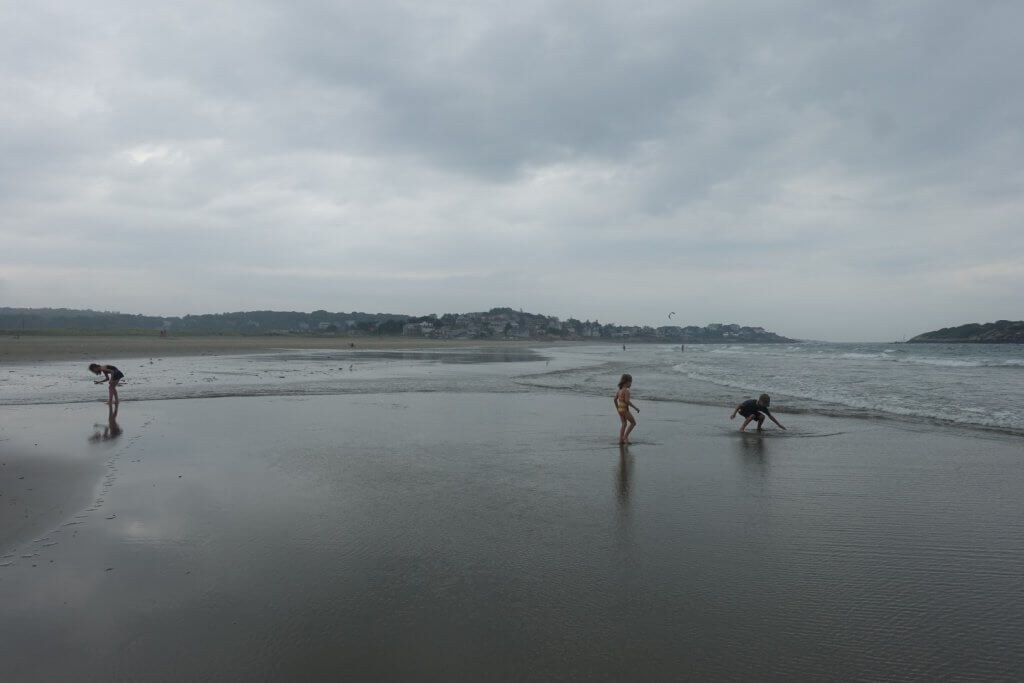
622,405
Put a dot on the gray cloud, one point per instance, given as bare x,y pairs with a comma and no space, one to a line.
847,171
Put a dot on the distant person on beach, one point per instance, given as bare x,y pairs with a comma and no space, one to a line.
622,405
752,410
111,375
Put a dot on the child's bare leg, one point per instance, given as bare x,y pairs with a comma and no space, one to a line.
622,429
746,422
760,423
632,424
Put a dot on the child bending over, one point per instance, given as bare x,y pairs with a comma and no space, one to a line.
752,410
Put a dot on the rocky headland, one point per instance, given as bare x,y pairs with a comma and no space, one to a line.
999,332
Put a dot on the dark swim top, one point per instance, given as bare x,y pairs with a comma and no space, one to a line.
749,407
114,372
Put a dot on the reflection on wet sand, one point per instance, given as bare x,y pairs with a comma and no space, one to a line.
752,448
625,472
109,431
469,536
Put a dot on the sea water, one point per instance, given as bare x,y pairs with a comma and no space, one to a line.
493,529
968,385
972,386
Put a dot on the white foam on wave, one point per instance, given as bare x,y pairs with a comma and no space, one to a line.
808,388
898,356
957,363
963,415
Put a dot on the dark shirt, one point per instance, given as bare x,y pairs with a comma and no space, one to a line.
112,372
750,407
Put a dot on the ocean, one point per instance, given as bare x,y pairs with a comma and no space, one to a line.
966,385
970,386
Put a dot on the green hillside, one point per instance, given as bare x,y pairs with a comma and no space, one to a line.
999,332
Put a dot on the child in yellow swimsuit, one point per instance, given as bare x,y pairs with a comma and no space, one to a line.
622,405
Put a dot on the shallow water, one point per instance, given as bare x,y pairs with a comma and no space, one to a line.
969,385
476,520
505,537
284,373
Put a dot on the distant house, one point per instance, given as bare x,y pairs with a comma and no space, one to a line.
523,331
417,329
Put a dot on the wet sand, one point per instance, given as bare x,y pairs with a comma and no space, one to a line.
458,536
109,348
47,475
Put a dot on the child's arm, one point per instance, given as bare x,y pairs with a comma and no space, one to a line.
628,395
772,418
106,377
734,411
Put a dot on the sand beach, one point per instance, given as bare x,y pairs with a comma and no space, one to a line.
41,347
451,521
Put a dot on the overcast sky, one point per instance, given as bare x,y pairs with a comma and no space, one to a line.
841,171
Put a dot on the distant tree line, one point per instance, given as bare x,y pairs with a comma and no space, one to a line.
495,323
999,332
242,322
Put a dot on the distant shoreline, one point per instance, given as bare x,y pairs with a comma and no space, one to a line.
963,341
110,348
39,346
999,332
